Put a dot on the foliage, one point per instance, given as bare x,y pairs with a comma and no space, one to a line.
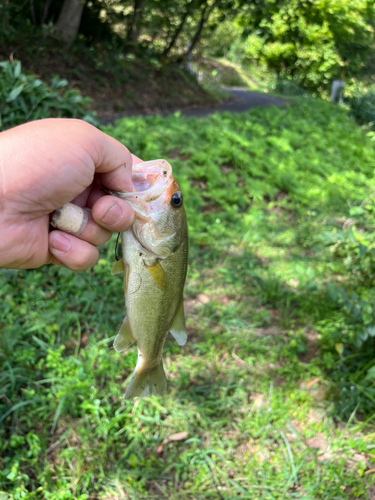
146,27
24,98
363,108
304,44
271,272
290,88
312,42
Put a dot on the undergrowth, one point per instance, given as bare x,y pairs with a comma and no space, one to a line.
274,394
24,97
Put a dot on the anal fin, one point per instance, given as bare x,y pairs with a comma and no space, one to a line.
124,338
178,328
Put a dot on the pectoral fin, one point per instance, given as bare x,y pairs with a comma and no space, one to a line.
124,338
178,328
118,267
158,275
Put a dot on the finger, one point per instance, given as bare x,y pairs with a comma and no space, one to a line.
136,160
97,190
71,252
70,218
81,199
114,164
94,233
96,193
79,222
112,213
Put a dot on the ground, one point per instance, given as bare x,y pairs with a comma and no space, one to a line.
272,396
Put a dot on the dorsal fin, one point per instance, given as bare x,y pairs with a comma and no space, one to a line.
178,328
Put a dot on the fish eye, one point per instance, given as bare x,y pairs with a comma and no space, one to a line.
176,200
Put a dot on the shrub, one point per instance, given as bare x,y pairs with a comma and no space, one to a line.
363,109
290,87
24,97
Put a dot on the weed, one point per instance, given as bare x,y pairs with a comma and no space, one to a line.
273,395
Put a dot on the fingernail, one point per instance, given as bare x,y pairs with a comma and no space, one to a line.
113,215
61,243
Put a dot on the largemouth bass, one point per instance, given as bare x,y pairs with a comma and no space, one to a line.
154,262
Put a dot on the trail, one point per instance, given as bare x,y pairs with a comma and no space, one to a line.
243,100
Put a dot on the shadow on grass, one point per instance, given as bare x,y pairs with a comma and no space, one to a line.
311,325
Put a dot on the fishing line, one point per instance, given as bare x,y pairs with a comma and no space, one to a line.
116,247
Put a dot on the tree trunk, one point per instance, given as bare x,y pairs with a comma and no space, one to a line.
32,12
5,14
132,31
69,20
47,4
178,31
198,33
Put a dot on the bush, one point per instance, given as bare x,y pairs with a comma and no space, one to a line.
363,109
25,98
290,87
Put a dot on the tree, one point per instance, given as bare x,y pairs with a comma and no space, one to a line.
311,42
179,29
132,27
46,7
223,7
67,25
205,14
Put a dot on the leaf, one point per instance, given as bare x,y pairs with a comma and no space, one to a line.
371,330
357,211
371,373
362,250
340,349
179,436
17,69
15,93
58,412
310,383
333,292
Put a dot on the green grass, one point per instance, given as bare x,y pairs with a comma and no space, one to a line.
275,389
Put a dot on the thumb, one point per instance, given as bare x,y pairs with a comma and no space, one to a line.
113,164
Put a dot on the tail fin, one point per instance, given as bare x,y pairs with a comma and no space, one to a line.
147,382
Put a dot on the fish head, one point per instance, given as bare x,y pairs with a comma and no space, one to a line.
160,220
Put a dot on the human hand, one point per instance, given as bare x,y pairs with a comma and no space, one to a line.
45,164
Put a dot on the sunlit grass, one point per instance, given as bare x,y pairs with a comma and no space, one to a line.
272,396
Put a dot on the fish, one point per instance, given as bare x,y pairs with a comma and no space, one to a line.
154,262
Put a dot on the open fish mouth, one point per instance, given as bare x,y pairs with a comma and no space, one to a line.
150,180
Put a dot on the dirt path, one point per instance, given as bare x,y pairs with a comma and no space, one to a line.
242,100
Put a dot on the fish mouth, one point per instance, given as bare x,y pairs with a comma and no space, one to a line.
150,180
